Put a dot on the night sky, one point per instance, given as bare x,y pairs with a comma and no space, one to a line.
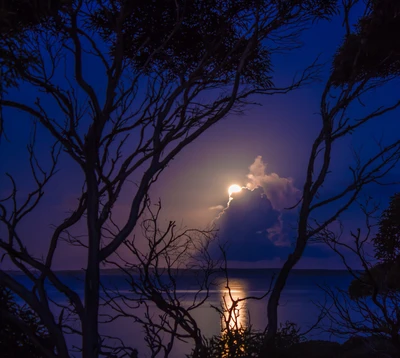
264,150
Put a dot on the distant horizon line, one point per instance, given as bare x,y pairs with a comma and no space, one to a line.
191,269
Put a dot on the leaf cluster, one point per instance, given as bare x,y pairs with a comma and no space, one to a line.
14,342
18,20
373,49
245,342
387,241
202,37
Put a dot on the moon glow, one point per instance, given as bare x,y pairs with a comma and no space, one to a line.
234,189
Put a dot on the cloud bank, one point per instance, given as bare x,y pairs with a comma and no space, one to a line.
255,225
280,191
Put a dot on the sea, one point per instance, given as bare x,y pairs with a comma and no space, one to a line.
300,303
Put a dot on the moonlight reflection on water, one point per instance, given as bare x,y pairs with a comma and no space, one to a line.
234,307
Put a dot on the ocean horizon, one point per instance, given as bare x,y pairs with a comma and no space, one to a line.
299,301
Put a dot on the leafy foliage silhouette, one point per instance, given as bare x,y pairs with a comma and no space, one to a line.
20,329
373,49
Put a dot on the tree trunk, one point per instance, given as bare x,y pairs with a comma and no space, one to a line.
90,324
90,327
268,347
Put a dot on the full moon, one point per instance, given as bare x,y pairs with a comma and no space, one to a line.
234,189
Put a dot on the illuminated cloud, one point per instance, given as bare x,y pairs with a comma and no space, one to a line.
280,191
217,207
244,223
254,226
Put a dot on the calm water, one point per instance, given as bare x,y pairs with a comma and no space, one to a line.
297,302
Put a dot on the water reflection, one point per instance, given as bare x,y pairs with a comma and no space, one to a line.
234,305
296,306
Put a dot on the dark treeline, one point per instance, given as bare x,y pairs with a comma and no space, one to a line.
167,71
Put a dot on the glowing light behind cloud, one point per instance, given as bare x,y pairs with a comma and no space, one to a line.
234,189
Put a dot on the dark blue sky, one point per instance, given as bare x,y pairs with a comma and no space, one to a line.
280,130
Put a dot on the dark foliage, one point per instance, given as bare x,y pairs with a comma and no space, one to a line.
177,36
384,276
373,50
387,240
14,342
163,35
158,35
18,19
20,15
246,342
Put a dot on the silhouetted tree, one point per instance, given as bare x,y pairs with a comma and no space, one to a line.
386,273
18,19
372,49
21,15
319,208
21,332
387,240
203,38
371,306
155,99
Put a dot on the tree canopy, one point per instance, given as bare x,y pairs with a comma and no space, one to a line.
20,329
387,240
385,275
166,71
373,48
18,19
20,15
197,36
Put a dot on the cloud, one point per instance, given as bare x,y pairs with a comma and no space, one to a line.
254,226
217,207
281,191
244,223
